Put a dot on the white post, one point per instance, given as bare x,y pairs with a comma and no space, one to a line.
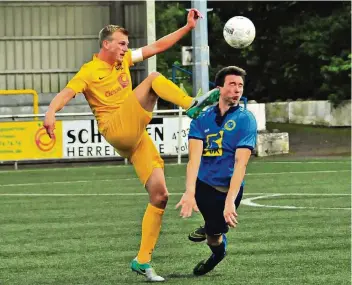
179,139
200,51
151,36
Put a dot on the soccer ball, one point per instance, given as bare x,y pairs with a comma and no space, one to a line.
239,32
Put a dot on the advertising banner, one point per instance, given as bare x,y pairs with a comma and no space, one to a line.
82,139
28,140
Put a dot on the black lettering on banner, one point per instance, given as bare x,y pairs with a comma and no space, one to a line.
161,148
156,132
184,134
156,121
98,150
71,136
107,150
95,133
160,133
70,151
183,148
89,151
80,136
157,135
80,151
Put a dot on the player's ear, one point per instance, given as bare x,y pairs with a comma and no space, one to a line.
105,44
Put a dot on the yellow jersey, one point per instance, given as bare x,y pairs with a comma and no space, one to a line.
104,86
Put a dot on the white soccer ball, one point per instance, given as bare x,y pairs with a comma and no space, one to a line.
239,32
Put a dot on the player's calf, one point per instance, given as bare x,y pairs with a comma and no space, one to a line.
218,254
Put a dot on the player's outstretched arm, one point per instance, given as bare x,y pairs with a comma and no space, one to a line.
241,159
169,40
188,201
59,101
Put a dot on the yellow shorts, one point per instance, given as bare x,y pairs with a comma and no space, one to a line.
126,132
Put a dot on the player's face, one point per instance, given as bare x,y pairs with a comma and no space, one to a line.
118,45
232,90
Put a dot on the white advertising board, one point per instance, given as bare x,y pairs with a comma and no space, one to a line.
82,139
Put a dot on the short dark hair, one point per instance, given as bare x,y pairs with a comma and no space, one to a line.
229,70
106,33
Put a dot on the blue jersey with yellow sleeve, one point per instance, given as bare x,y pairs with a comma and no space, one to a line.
221,136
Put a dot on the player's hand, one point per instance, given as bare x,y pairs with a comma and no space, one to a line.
49,124
188,204
230,214
192,18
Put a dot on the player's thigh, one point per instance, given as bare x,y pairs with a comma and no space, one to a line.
211,205
127,125
145,158
145,94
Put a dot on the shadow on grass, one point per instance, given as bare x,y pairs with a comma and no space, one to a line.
189,275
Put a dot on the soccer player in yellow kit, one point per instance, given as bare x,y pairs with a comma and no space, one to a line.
123,114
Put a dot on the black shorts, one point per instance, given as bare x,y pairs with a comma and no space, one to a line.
211,203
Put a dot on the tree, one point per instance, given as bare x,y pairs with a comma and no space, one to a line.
302,49
170,16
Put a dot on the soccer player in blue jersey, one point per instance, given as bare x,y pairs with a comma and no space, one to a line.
221,141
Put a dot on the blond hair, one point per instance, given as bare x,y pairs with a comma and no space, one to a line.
106,33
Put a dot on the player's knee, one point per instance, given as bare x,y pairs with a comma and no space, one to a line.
160,197
163,196
214,240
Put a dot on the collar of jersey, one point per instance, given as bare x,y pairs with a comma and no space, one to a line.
102,63
230,110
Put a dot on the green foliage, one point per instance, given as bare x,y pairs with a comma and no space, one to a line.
171,16
301,50
337,67
323,44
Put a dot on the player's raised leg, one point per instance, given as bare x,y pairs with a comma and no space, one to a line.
170,92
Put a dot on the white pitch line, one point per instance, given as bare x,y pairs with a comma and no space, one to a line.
168,177
69,182
168,164
76,195
249,202
76,168
265,195
301,162
299,172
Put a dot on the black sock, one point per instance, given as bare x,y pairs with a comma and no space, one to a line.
218,250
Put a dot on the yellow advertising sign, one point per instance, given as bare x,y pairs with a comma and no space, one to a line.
28,140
